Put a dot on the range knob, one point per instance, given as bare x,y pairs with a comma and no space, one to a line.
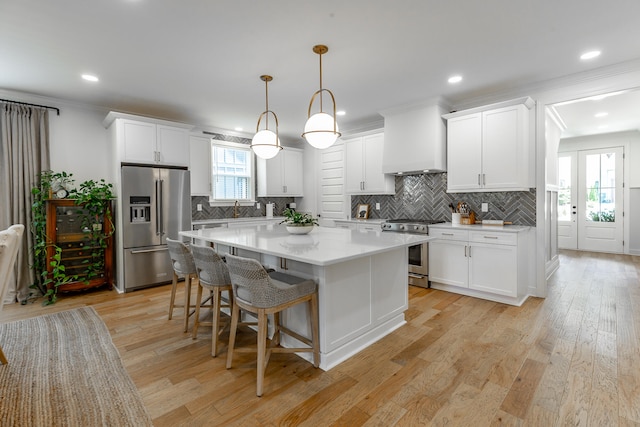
423,227
402,227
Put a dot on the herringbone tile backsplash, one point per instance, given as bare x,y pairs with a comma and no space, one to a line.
425,197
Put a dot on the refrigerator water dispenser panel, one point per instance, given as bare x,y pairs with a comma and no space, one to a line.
140,209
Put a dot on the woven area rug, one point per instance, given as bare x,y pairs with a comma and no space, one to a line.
65,371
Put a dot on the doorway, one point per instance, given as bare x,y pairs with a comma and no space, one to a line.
590,200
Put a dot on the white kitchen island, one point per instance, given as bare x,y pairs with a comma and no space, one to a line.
361,275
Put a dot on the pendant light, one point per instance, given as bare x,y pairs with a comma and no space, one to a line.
265,142
321,129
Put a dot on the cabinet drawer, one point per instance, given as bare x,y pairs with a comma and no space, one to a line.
493,237
449,234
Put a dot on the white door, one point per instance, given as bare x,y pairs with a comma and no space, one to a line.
567,200
333,201
600,206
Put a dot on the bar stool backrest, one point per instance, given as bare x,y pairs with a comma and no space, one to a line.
251,282
211,268
181,257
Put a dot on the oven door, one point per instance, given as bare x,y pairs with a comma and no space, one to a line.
419,265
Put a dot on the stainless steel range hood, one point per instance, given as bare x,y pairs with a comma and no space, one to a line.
415,139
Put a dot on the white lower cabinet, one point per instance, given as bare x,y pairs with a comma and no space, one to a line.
484,264
448,263
493,268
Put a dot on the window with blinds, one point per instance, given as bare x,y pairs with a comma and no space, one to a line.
232,171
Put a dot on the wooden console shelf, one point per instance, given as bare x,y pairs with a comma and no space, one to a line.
64,228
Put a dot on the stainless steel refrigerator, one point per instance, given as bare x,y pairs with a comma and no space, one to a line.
156,204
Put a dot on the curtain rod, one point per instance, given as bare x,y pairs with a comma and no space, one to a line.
33,105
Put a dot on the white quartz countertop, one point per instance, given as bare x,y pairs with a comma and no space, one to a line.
322,246
478,227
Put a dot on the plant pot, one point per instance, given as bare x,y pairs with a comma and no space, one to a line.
299,229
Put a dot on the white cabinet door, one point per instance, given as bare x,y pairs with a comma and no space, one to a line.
502,146
374,179
364,166
491,150
494,269
464,152
293,177
354,175
138,141
144,142
200,165
282,175
172,145
448,263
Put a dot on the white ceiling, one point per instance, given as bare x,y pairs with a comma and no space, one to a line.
199,61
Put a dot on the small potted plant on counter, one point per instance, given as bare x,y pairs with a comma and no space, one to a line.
298,223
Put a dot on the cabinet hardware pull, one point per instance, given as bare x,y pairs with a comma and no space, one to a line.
447,234
484,180
465,251
469,251
490,237
478,179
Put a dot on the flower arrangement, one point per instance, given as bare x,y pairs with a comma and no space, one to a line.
293,218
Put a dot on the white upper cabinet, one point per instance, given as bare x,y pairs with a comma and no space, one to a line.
200,165
149,141
491,149
364,166
282,175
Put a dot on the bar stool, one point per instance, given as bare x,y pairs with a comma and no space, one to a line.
213,275
257,291
182,263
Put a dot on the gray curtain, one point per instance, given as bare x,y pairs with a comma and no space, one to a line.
24,153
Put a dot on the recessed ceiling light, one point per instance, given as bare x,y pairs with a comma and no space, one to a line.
90,77
238,129
455,79
341,113
590,55
602,114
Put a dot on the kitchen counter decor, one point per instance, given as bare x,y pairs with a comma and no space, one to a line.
297,222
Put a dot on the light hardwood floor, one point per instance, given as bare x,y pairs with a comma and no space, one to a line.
570,359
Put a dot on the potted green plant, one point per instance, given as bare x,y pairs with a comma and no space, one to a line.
297,222
93,200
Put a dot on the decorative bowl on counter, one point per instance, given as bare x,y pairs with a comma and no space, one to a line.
299,229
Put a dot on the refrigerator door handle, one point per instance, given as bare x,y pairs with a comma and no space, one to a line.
144,251
158,207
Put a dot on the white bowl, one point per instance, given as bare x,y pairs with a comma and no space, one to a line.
299,229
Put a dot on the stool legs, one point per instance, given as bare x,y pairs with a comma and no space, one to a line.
262,350
3,359
187,301
235,314
174,285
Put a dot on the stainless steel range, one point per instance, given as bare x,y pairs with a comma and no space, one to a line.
418,254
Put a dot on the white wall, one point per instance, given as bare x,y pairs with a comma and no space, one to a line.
79,144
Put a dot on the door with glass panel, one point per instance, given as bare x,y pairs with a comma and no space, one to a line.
568,200
600,226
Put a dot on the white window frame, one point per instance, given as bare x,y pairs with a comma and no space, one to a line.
251,169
